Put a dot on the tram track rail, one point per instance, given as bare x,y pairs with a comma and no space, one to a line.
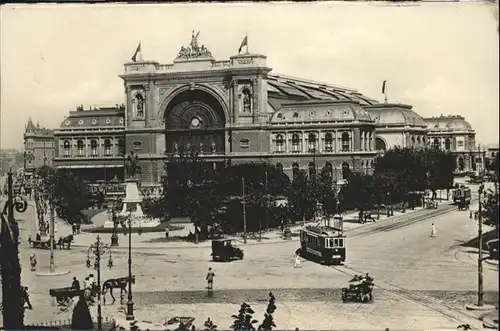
400,223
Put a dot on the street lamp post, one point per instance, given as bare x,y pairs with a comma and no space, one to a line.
244,211
114,234
98,248
130,302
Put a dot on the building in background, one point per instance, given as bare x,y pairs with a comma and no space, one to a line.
91,143
454,134
38,147
491,154
235,111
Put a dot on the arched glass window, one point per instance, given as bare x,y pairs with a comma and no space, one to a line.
328,142
295,170
67,148
311,138
107,147
436,143
295,143
93,148
418,140
312,169
121,146
329,169
380,144
447,144
279,144
279,167
80,147
346,146
413,140
345,170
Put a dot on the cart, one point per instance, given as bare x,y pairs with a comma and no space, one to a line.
223,250
360,291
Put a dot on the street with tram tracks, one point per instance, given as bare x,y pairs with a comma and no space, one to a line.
421,282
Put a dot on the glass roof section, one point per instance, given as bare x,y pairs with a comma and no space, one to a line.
287,89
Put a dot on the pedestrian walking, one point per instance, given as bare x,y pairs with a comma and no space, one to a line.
210,279
26,296
73,228
75,284
33,262
433,230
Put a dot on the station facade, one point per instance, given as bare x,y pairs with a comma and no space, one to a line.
235,111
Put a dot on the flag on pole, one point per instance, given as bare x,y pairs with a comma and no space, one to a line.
383,86
137,51
243,43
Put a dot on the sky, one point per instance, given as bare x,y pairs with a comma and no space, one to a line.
442,58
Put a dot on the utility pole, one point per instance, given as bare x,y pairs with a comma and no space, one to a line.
480,293
267,210
244,212
52,232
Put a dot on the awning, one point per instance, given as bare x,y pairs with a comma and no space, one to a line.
89,166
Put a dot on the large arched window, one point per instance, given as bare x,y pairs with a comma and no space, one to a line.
447,144
67,148
80,147
311,139
461,163
107,147
436,143
93,148
413,140
295,170
418,140
346,142
380,144
345,170
279,144
328,142
328,169
295,143
279,167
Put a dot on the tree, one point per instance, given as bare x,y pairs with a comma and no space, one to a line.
359,192
300,201
244,320
67,190
268,322
81,319
490,209
440,169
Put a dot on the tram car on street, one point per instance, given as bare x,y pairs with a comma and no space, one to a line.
462,196
323,243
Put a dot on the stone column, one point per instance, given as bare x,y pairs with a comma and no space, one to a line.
236,108
287,147
334,141
303,147
320,144
255,100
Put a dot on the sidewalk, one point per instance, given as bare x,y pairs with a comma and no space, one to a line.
146,240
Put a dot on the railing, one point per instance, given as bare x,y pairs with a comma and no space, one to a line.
65,324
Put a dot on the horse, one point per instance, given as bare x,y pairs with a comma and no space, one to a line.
110,284
65,241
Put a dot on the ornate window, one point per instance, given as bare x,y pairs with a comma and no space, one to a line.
311,139
329,169
345,170
93,148
295,170
295,143
279,143
312,169
80,147
447,144
346,142
436,143
279,167
328,142
67,148
107,147
121,147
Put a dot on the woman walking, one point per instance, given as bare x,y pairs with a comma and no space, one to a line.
33,262
433,231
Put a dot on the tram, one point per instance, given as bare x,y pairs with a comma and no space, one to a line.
462,195
323,242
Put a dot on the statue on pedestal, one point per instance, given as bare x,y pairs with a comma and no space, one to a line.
132,166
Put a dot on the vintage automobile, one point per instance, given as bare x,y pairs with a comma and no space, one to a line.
223,250
431,204
360,290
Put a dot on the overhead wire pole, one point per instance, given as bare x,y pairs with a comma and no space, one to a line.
244,211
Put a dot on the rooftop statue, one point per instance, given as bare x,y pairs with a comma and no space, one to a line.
194,51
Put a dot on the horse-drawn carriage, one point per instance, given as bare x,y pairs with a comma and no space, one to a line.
360,289
64,295
223,250
63,242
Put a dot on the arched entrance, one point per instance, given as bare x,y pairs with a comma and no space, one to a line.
461,163
380,144
194,122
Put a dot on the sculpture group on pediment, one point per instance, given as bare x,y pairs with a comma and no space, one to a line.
194,50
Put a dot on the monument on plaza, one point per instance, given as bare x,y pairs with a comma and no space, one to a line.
133,197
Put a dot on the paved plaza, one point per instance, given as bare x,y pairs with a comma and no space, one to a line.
421,282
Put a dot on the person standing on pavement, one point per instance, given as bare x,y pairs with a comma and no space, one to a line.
26,296
33,262
210,279
297,259
433,231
